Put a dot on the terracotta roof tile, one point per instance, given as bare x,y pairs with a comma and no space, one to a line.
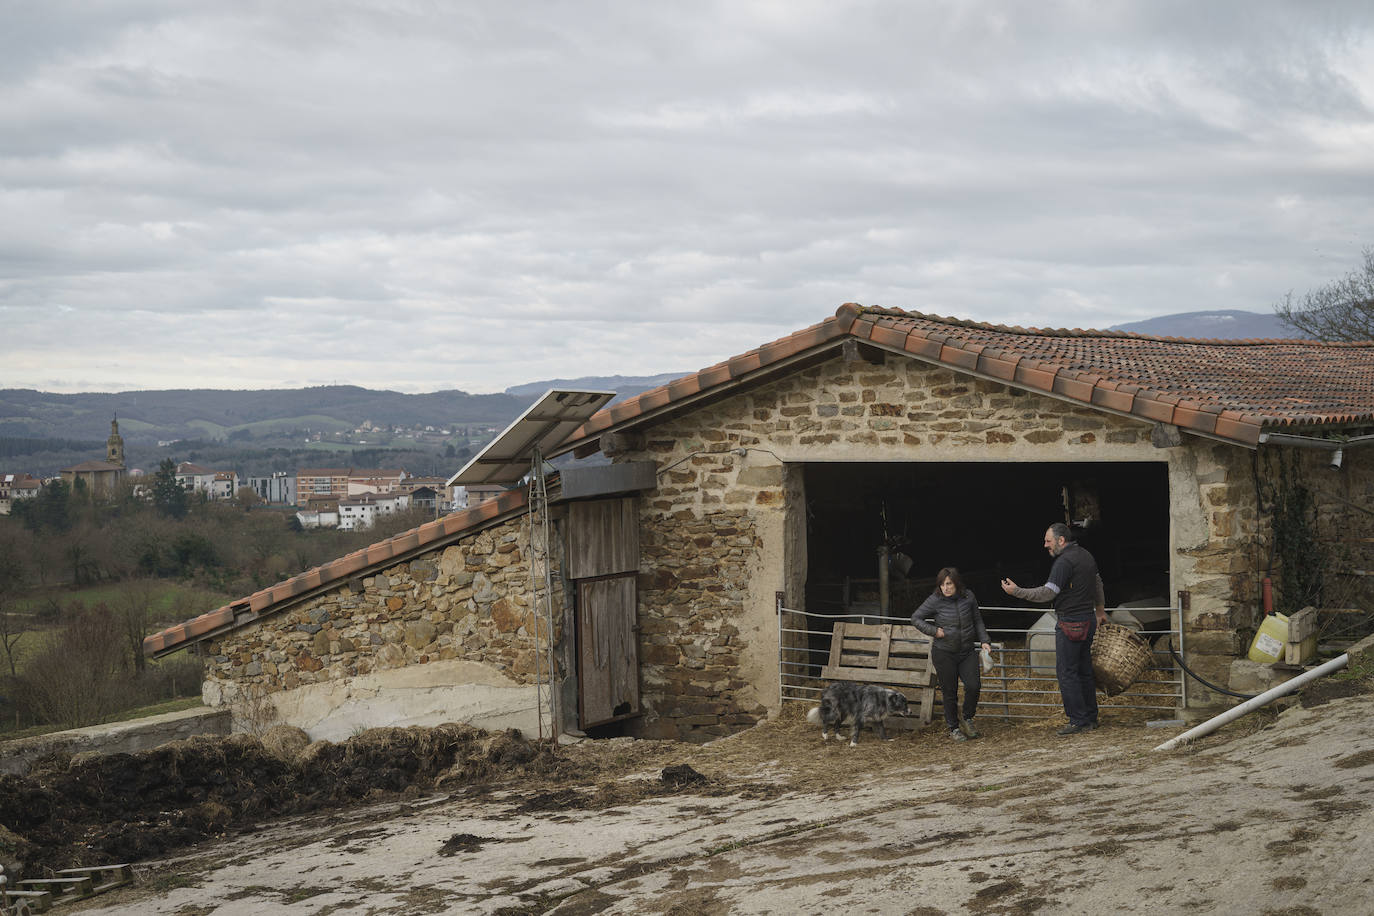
745,363
1262,383
334,572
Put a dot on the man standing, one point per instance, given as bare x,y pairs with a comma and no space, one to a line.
1075,588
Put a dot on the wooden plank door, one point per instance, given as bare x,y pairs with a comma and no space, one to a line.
603,558
607,650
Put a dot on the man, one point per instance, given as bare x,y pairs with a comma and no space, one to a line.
1075,588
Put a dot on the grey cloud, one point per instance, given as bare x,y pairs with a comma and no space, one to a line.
388,193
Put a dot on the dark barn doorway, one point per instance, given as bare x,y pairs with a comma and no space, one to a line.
986,518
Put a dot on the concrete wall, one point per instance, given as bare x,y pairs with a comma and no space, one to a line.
448,636
114,737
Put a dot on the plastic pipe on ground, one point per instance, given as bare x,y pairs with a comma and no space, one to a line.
1273,693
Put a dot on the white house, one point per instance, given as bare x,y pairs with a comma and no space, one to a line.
359,512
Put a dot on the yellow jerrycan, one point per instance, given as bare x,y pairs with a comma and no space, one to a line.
1267,646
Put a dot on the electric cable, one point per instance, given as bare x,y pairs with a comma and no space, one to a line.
1202,680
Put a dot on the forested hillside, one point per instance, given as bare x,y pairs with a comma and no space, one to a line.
197,413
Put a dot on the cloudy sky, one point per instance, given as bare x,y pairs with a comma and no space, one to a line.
431,195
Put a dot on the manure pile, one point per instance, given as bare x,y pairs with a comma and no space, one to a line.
97,809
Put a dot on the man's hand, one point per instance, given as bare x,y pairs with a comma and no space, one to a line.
1101,615
939,632
1009,586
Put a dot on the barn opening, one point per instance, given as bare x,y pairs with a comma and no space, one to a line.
987,519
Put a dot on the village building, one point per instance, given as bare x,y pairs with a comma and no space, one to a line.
358,513
374,480
213,484
278,488
338,483
15,487
778,478
313,483
100,478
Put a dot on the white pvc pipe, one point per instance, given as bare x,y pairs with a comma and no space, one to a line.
1273,693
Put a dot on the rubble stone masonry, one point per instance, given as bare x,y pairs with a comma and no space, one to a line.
712,543
469,601
713,530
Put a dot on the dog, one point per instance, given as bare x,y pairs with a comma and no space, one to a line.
848,703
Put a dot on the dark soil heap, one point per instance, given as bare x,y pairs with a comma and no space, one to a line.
98,809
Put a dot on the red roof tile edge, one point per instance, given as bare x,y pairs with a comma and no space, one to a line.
264,601
943,346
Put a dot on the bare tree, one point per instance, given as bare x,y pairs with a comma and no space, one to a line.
133,608
1340,310
246,498
11,628
82,676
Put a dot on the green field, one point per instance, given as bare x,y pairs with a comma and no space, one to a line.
170,603
281,425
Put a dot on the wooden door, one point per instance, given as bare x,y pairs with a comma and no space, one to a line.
603,558
607,650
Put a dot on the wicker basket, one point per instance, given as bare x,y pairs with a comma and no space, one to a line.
1120,655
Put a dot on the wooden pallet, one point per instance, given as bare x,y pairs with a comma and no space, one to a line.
41,894
893,655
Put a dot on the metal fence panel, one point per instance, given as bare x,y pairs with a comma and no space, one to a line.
1019,686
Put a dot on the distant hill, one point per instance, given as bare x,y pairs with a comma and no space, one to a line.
1223,324
205,413
624,386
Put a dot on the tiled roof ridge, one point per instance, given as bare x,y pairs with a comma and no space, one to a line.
1228,415
890,312
335,571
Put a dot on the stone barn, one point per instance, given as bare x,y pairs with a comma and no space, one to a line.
1196,470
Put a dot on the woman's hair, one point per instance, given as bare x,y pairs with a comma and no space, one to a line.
949,572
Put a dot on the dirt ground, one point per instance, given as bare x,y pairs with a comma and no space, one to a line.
1268,816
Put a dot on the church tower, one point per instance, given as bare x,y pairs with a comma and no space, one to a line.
114,446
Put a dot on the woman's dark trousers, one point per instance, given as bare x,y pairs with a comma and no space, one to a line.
951,669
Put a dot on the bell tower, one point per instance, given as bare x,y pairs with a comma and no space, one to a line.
114,446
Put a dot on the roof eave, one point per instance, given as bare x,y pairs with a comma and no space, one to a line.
291,592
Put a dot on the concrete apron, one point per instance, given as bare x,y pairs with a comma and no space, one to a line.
1095,823
441,691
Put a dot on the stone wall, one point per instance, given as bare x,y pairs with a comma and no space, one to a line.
714,529
692,592
463,612
1342,521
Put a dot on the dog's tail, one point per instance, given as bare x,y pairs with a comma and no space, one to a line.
813,715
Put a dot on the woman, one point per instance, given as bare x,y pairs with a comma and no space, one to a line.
951,615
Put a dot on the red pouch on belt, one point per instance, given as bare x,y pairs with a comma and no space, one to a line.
1075,630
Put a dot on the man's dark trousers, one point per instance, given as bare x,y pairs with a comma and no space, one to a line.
1073,665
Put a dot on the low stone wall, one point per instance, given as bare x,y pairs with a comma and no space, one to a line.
447,636
115,737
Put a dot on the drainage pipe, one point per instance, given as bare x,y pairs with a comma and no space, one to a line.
1331,445
1230,715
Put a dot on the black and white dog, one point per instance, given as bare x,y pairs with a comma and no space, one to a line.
848,703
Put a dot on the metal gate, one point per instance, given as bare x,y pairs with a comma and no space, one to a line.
1020,684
